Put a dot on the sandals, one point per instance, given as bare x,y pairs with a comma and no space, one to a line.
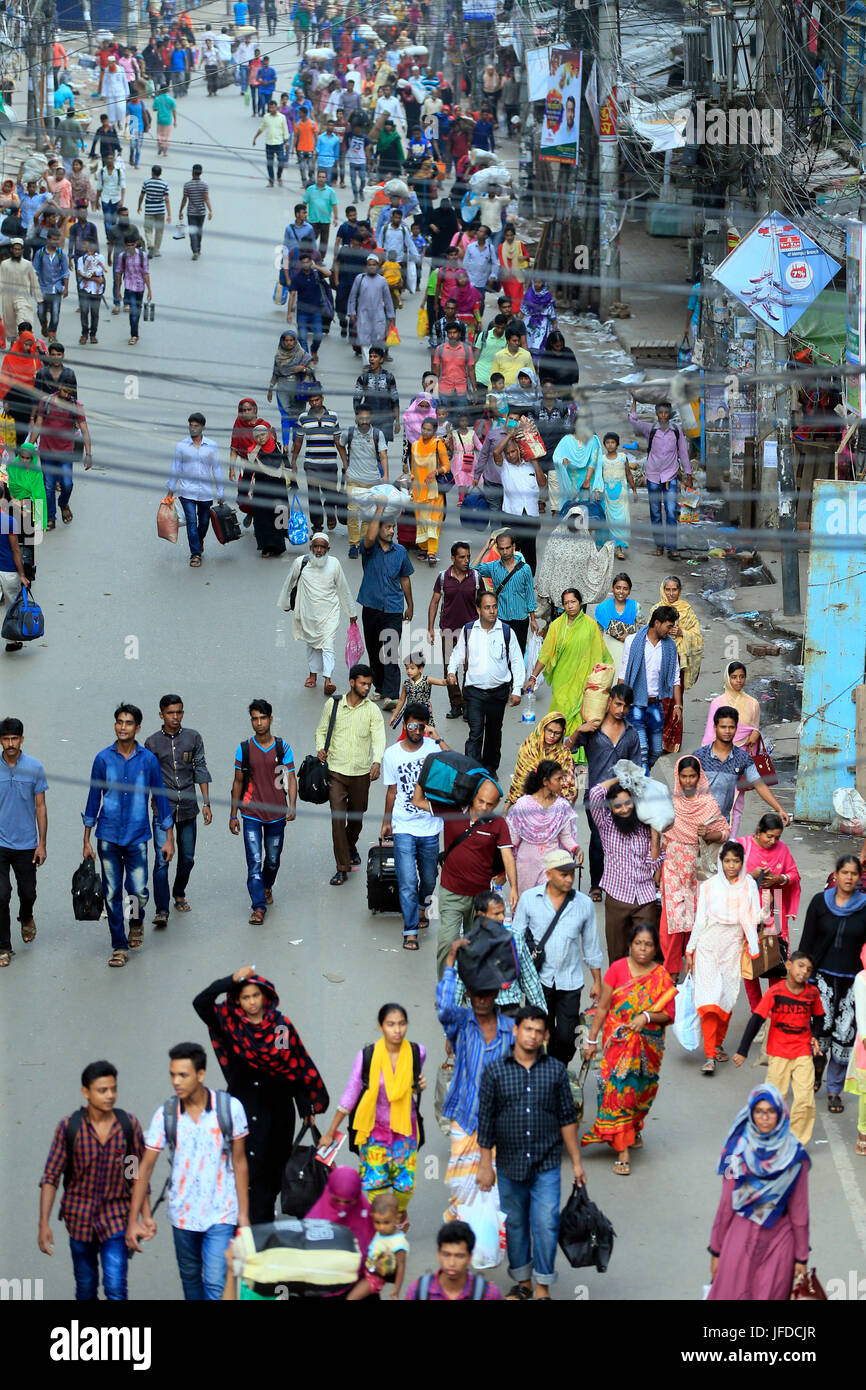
6,958
518,1294
117,959
330,688
722,1056
659,550
410,943
310,682
423,920
194,561
136,935
66,514
269,896
709,1067
638,1143
860,1146
160,920
131,341
181,905
622,1168
834,1105
256,917
28,931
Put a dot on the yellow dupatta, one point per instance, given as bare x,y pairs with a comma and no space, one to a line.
398,1089
690,643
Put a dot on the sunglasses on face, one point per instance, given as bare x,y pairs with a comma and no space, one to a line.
414,727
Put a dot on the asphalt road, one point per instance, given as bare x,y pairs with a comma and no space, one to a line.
127,619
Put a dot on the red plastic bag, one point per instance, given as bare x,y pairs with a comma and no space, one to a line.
530,441
166,521
354,644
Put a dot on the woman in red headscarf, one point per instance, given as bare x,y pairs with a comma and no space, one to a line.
242,441
17,376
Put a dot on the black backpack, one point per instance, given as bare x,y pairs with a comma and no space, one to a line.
87,896
366,1060
170,1117
490,960
73,1125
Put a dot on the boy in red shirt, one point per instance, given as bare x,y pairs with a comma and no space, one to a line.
790,1005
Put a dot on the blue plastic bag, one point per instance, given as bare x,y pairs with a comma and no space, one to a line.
475,509
687,1025
299,527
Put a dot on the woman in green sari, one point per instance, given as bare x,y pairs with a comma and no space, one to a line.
27,485
572,646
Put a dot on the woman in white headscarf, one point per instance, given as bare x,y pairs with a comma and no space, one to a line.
727,917
571,560
317,591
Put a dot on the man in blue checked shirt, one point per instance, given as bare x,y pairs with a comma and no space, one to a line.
512,583
124,777
52,271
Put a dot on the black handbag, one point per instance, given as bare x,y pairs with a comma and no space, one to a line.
536,948
313,777
304,1177
87,896
585,1235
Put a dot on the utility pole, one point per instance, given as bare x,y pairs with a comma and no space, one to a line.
608,159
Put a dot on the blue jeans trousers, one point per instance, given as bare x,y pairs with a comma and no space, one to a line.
201,1261
86,1255
416,859
184,838
57,468
666,493
263,845
123,865
649,720
197,518
358,175
532,1224
309,323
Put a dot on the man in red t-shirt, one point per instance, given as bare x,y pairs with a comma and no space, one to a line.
790,1005
458,589
59,419
265,791
471,839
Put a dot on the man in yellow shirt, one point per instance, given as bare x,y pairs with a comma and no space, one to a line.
511,359
354,757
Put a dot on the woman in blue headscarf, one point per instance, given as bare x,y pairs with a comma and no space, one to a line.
759,1243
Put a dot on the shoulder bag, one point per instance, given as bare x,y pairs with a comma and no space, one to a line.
536,948
313,777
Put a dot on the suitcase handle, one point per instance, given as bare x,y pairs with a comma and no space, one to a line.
386,839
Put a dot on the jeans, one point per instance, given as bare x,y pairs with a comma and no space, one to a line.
109,212
244,72
263,845
306,159
563,1010
50,311
123,864
416,859
274,155
197,517
358,175
135,142
310,322
532,1224
649,720
201,1260
596,851
485,711
382,632
667,492
86,1255
88,305
134,298
57,468
195,228
184,838
20,863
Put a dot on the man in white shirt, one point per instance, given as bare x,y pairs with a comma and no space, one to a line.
415,832
493,678
390,105
244,54
650,665
481,262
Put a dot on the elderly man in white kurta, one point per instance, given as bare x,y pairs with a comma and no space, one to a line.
322,592
114,89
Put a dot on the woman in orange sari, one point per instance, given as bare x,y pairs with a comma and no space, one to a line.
428,459
636,1006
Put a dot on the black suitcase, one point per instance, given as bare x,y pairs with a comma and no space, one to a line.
224,523
382,894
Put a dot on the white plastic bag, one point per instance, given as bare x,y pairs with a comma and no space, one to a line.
179,232
850,812
485,1218
533,647
653,803
687,1025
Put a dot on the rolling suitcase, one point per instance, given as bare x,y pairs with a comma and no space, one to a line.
382,894
224,523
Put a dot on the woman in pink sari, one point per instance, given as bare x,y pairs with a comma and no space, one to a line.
748,733
696,816
539,821
772,866
468,300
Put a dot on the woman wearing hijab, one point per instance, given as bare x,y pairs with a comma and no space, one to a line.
17,375
269,492
290,365
572,646
759,1244
772,866
541,820
267,1069
834,934
83,190
444,225
345,1203
570,555
523,396
389,151
696,817
384,1112
27,485
558,362
539,314
690,648
729,910
544,744
241,443
748,733
579,465
428,461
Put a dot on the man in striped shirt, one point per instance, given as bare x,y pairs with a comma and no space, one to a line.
632,865
157,209
195,193
319,430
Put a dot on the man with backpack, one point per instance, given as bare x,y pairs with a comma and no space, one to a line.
265,790
667,452
454,364
415,833
95,1150
455,1242
489,656
513,586
208,1182
457,589
366,465
350,739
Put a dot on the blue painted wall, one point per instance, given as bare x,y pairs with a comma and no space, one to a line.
835,646
104,14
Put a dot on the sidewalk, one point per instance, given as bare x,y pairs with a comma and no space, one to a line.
655,288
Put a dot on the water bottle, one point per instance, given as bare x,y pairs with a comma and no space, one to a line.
529,707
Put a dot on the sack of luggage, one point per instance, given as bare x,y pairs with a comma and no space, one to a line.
489,962
87,897
382,892
313,779
224,523
166,521
288,1256
304,1177
452,779
24,621
585,1235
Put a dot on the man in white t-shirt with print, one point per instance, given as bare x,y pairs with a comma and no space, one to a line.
208,1194
415,832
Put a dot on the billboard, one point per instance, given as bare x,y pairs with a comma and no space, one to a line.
560,129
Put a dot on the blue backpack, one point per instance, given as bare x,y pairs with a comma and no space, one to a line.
24,621
452,778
